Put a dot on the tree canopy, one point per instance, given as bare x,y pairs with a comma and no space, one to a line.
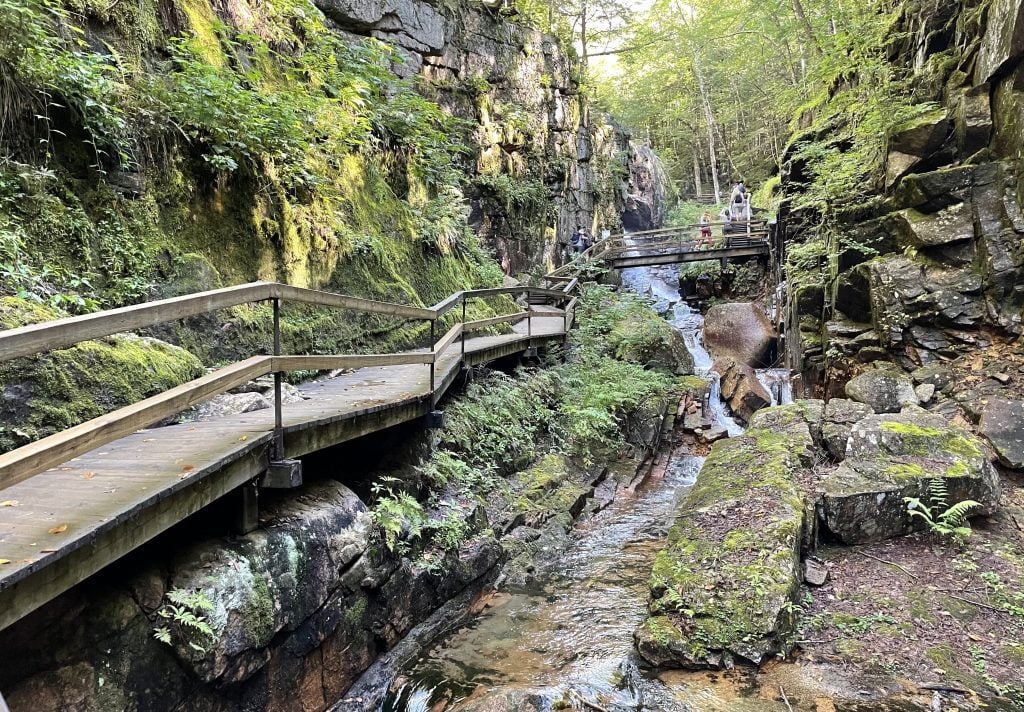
720,86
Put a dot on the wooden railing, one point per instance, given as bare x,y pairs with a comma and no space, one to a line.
24,462
678,237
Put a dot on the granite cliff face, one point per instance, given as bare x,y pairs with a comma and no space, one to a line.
938,271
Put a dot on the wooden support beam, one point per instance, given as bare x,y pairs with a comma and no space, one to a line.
447,340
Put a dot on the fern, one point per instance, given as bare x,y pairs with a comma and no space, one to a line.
942,519
185,622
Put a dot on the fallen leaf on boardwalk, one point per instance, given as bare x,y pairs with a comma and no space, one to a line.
59,529
243,438
188,468
47,551
4,561
88,475
9,503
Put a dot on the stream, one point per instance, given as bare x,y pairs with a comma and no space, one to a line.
566,640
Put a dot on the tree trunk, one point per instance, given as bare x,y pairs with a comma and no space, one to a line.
709,117
798,8
698,184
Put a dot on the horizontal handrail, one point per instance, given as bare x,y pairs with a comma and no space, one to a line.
48,335
61,333
28,460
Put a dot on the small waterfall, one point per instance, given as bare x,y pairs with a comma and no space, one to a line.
718,412
661,284
777,382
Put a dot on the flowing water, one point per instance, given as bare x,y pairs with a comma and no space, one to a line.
571,633
566,640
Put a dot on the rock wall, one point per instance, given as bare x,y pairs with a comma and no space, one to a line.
939,272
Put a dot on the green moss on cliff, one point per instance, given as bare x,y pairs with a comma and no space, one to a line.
57,390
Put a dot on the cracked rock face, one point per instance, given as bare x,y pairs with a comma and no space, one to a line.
1002,424
412,25
897,455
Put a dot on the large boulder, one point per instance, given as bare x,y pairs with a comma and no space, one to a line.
740,389
641,336
723,587
741,331
892,456
1002,424
886,390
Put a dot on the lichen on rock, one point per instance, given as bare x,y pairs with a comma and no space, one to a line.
722,589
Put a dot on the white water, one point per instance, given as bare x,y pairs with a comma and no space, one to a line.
661,285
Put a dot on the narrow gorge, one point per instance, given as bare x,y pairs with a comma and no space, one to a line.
511,356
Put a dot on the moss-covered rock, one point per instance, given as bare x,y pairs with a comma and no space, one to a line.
642,337
54,391
722,588
892,456
270,580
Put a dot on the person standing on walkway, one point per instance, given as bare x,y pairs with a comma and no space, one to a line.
588,240
705,231
576,241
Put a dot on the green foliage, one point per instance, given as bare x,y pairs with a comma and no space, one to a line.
941,518
514,193
46,62
687,212
398,515
328,100
185,622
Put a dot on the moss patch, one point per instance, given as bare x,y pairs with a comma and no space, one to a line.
60,389
730,571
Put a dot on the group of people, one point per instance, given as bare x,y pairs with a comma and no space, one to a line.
738,208
581,240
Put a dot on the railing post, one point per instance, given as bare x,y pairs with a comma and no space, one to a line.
463,326
278,416
433,340
529,316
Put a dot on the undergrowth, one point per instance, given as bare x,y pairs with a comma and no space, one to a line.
502,424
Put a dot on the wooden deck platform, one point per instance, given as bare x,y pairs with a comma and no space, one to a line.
62,525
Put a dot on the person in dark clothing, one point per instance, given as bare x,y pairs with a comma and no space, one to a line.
576,241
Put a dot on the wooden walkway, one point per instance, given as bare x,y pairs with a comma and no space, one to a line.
62,524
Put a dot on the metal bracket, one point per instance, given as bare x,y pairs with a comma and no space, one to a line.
282,474
436,420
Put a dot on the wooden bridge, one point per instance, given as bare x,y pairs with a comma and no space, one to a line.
674,245
72,503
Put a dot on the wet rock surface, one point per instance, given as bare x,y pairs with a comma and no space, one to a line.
741,390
